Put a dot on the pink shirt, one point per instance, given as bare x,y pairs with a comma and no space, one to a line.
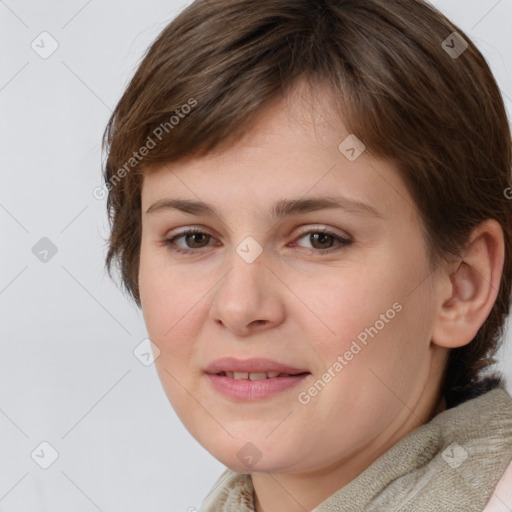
501,499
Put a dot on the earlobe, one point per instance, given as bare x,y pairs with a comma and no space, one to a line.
472,288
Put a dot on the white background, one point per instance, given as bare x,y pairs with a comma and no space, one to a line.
67,372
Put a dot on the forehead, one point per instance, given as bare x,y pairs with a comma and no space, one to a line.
297,149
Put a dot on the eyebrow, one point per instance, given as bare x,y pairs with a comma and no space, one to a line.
279,210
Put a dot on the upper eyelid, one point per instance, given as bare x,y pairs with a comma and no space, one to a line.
306,229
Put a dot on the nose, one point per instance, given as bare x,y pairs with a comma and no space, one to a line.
249,297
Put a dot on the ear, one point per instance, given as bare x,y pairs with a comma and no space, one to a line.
470,287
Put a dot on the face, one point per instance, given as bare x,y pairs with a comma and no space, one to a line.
337,300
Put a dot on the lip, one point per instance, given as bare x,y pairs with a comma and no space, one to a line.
257,364
251,390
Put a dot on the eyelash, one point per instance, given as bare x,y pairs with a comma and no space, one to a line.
169,242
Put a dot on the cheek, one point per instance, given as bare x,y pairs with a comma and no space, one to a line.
168,302
348,301
161,290
370,317
169,318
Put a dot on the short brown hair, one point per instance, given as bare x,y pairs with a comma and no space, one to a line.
437,116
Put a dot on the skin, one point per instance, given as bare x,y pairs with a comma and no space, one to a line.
302,308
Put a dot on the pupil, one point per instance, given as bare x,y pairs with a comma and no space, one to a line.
322,237
193,235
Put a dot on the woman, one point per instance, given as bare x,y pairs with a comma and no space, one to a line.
351,373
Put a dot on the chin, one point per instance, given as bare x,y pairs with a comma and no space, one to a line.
246,457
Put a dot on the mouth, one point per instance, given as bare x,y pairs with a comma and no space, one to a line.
253,379
257,366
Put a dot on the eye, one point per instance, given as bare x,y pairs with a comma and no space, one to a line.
196,236
324,238
197,239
